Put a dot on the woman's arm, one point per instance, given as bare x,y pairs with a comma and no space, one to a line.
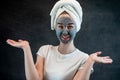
30,69
84,74
40,66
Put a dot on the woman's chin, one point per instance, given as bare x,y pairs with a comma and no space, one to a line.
65,41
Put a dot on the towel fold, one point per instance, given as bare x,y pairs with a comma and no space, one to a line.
72,7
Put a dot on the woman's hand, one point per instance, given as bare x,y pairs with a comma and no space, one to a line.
96,58
19,44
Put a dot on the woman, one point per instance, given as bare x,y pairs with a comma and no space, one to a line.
65,61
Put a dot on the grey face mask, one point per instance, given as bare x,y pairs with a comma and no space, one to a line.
66,30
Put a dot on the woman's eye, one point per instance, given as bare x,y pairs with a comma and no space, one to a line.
69,27
61,27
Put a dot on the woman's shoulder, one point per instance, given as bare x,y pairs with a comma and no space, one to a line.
43,50
81,53
47,46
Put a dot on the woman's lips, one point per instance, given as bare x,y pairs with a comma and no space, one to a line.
65,37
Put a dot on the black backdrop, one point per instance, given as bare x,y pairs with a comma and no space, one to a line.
30,20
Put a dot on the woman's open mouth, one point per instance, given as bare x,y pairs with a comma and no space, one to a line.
65,37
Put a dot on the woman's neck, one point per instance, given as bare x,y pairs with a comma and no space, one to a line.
66,48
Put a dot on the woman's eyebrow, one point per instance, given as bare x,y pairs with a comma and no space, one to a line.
70,23
60,23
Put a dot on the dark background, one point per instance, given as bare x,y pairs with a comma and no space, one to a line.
30,20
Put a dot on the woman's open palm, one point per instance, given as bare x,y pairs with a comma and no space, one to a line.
19,44
97,58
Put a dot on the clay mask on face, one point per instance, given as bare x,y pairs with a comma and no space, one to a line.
65,29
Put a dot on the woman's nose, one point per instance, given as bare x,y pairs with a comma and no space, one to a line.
65,32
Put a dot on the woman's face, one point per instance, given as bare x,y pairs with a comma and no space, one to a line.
65,28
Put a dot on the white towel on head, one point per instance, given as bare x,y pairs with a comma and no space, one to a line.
72,7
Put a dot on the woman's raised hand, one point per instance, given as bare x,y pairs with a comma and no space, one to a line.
19,44
95,57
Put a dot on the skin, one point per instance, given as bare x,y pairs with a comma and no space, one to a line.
35,71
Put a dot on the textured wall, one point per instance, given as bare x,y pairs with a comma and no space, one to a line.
30,20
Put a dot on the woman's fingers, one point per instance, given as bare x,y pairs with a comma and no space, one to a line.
98,53
19,44
106,59
10,41
20,40
14,43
